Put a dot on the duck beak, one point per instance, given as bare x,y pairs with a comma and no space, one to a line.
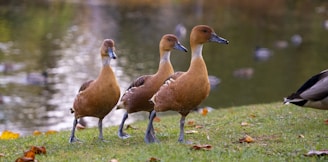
216,38
111,53
180,47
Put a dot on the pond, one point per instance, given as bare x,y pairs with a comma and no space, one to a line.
61,40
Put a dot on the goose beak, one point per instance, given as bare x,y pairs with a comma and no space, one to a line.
180,47
216,38
111,53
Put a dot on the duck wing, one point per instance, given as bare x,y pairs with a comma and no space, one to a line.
139,81
316,88
85,85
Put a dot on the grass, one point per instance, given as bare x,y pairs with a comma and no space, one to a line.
281,133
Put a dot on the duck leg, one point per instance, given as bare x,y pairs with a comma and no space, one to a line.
152,131
72,137
100,129
182,122
149,136
120,132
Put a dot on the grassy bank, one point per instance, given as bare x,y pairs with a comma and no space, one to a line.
280,133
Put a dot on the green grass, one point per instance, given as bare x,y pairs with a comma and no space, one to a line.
275,127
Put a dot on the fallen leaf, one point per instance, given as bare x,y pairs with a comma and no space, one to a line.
301,136
317,153
204,111
244,124
326,121
157,119
191,123
24,159
113,160
252,115
2,155
191,132
6,135
38,150
153,159
198,126
201,147
130,127
247,139
36,133
29,154
51,132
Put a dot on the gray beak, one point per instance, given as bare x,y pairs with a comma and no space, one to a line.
216,38
111,53
180,47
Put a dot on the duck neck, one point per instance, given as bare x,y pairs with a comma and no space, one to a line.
105,61
165,66
197,64
106,70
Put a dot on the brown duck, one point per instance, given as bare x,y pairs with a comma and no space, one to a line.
136,97
96,98
184,91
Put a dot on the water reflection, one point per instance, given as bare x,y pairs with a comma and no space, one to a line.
63,39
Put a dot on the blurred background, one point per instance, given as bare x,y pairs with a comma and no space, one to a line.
48,48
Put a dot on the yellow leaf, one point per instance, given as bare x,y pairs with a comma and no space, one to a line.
244,124
6,135
51,132
204,111
37,133
247,139
191,132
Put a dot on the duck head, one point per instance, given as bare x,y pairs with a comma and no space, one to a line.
107,49
170,41
202,33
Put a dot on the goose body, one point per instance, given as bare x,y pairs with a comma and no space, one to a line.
184,91
96,98
136,97
313,93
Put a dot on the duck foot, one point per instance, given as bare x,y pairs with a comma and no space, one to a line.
123,135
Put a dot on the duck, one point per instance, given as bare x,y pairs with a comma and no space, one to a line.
136,97
313,93
96,98
262,53
184,91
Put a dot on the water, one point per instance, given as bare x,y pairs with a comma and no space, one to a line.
63,39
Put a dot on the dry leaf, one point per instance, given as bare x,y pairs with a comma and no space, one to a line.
51,132
191,132
113,160
317,153
24,159
326,121
130,127
157,119
6,135
198,126
191,123
36,133
38,150
252,115
247,139
244,124
204,111
2,155
29,154
301,136
201,147
153,159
